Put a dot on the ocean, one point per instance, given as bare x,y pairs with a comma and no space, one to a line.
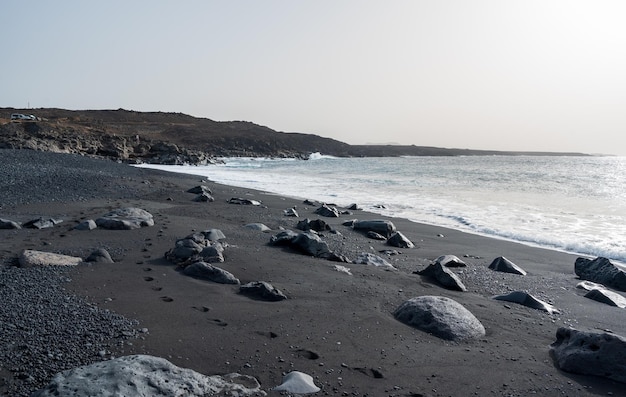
571,204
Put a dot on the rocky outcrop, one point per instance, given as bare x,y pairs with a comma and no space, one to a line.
440,316
601,270
590,353
143,375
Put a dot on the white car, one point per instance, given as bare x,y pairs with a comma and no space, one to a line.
25,117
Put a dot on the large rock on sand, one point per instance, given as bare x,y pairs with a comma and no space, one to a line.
125,219
440,316
501,264
528,300
605,296
143,375
262,290
32,258
400,240
601,270
443,276
311,244
590,353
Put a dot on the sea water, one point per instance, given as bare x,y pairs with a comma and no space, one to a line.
572,204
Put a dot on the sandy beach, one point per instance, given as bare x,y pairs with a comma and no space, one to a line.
339,328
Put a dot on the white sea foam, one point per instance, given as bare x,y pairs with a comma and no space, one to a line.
575,204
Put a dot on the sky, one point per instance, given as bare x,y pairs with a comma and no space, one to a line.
528,75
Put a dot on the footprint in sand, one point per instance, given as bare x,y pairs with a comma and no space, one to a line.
202,309
311,355
147,269
167,299
157,288
147,278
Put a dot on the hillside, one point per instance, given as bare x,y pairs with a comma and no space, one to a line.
173,138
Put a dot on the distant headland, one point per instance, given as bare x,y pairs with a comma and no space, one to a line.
176,138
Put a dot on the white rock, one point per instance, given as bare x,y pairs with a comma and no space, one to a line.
30,258
297,382
143,376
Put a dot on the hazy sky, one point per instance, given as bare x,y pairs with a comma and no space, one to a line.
481,74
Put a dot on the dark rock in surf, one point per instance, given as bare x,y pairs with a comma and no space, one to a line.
382,227
100,256
262,290
501,264
440,316
400,240
206,271
327,211
590,353
354,207
526,299
601,270
443,276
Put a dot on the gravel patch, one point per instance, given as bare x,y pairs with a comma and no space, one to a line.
28,176
45,329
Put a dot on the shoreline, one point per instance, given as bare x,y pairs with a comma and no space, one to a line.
335,327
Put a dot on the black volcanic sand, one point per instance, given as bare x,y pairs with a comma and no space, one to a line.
336,327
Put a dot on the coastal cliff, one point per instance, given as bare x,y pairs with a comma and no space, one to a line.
176,138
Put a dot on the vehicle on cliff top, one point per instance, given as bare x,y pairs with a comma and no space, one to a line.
23,117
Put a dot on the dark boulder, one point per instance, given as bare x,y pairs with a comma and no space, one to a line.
327,211
200,189
318,225
285,237
501,264
443,276
375,236
526,299
311,244
450,261
590,353
100,256
400,240
601,270
243,201
204,198
7,224
607,297
382,227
